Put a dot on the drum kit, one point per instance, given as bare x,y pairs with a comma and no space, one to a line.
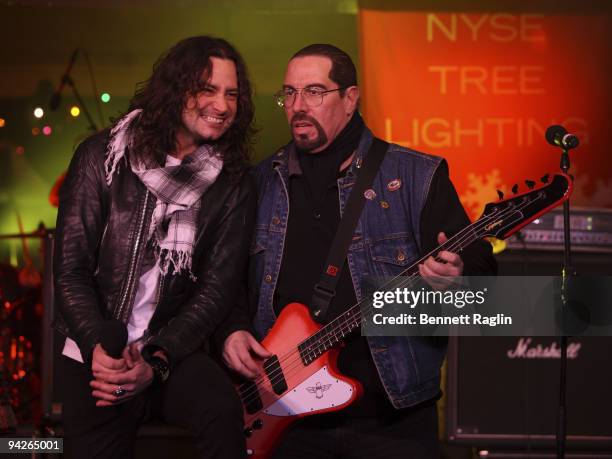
25,305
21,310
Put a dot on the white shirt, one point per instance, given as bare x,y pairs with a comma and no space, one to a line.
144,302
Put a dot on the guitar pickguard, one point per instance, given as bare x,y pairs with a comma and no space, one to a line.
319,391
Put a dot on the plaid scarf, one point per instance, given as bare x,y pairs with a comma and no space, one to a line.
178,190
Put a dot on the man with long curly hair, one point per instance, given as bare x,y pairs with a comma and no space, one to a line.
152,236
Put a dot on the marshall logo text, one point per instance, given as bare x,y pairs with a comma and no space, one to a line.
525,350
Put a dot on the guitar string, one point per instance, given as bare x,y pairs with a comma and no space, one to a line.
403,279
467,229
347,318
351,317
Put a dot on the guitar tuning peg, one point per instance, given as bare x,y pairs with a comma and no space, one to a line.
530,184
515,188
545,178
500,194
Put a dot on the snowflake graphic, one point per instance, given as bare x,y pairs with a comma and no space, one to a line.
481,190
601,196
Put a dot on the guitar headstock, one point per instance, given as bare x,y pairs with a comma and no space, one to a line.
506,216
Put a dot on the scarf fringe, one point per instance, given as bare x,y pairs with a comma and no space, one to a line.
210,164
179,260
117,144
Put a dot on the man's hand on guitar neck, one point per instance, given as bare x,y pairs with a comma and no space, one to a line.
243,354
439,275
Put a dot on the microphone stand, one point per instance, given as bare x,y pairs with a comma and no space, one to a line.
567,271
70,82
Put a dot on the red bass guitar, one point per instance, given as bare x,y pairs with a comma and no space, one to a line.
301,379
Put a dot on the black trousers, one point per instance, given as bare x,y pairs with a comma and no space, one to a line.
407,434
198,396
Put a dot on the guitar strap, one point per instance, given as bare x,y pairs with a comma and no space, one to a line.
325,289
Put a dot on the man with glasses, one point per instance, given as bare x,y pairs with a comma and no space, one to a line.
410,206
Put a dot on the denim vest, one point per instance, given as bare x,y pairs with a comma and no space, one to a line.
386,241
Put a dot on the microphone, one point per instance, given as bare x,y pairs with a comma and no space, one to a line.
558,136
114,338
57,95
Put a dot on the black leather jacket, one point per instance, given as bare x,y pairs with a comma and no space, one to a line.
100,236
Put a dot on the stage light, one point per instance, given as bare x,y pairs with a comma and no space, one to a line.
46,130
39,112
20,150
35,131
105,97
75,111
2,122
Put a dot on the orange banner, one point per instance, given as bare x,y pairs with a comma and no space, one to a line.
480,89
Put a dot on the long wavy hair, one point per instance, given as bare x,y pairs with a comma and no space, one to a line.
177,75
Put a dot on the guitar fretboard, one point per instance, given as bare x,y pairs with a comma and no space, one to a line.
501,220
334,332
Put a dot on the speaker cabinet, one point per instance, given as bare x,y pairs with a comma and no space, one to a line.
503,392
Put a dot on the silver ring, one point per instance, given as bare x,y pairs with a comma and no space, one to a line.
119,391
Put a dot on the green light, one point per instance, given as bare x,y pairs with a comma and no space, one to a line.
105,97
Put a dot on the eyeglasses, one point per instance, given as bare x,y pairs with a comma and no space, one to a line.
312,96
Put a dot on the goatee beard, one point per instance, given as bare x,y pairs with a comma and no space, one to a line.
302,142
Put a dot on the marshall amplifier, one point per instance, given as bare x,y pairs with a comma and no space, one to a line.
503,392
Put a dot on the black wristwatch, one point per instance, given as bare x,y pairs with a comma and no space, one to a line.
161,369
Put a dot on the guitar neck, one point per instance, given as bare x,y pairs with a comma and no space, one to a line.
335,331
500,219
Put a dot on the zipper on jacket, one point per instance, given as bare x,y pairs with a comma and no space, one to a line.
122,311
